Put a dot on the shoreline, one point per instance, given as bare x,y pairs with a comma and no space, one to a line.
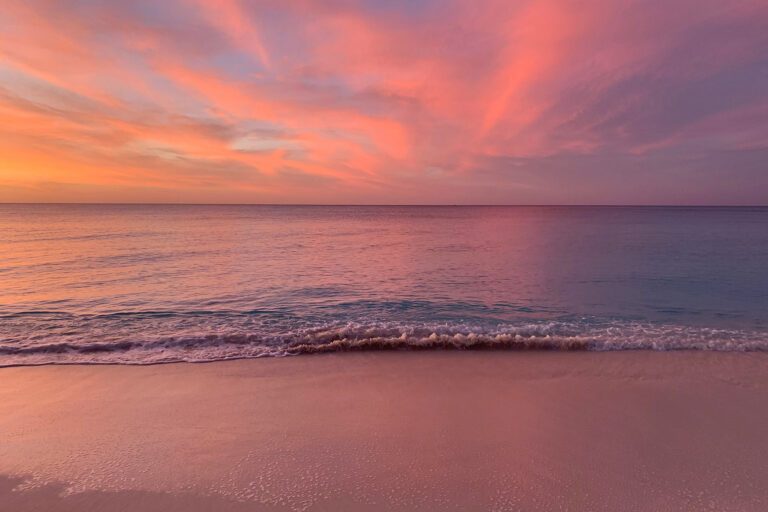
448,430
366,347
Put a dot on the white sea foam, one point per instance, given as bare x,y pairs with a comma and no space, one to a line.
209,346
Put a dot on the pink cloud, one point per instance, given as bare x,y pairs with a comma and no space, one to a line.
358,101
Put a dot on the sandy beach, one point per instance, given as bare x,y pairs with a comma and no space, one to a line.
651,431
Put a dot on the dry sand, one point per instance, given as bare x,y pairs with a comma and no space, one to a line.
391,431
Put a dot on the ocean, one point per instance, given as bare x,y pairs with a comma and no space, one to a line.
144,284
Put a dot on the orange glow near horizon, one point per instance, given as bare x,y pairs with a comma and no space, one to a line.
540,101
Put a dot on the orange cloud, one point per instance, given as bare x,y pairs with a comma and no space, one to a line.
451,101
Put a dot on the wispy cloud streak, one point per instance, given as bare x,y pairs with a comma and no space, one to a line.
539,101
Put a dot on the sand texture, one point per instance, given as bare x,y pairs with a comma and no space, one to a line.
473,431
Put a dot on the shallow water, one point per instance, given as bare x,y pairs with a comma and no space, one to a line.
159,283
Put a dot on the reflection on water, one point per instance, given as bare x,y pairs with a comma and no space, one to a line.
127,273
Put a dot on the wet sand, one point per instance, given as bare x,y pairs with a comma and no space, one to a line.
638,431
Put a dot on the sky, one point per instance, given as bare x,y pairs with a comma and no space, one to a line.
384,102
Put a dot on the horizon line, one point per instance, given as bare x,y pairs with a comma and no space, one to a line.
469,205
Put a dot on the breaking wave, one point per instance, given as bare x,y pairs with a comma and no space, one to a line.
543,336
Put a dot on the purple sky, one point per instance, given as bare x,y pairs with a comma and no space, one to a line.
474,102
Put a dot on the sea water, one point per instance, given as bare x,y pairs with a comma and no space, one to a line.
140,284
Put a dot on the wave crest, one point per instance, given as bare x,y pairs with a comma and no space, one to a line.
434,341
544,336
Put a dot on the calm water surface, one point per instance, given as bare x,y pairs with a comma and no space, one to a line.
155,283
